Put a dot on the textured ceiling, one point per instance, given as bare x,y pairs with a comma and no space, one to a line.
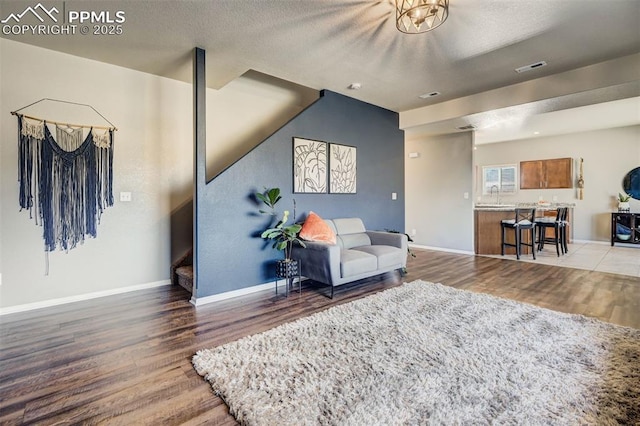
328,44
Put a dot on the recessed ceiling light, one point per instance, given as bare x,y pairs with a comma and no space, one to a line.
530,67
355,86
467,127
536,133
429,95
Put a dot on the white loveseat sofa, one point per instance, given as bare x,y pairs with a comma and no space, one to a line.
357,254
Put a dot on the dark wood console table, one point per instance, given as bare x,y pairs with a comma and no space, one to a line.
625,228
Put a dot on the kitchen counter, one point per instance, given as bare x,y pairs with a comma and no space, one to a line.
512,207
487,229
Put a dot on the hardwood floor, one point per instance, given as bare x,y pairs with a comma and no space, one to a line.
127,359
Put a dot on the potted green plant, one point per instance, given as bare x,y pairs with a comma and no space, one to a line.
623,202
283,235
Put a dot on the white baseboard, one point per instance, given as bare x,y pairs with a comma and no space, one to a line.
418,246
236,293
80,297
574,241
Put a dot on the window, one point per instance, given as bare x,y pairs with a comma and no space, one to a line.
500,178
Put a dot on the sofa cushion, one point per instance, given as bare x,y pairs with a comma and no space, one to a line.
355,262
351,232
354,240
386,255
349,225
316,229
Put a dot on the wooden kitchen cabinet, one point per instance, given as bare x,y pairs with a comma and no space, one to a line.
531,175
559,173
546,174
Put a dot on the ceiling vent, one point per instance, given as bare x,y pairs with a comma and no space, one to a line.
467,127
531,67
429,95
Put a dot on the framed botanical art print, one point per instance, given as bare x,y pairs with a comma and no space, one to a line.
342,169
309,166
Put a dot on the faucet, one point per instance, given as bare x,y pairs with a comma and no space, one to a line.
497,193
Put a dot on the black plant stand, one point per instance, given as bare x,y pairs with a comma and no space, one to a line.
289,269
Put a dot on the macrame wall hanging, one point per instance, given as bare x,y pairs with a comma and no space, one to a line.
65,174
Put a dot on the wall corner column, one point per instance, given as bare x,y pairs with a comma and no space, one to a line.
199,153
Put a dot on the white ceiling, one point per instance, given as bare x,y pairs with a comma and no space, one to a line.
620,113
328,44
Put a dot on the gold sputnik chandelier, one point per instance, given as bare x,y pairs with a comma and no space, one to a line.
419,16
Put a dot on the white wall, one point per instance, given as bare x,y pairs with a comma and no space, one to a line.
435,184
233,128
608,155
153,160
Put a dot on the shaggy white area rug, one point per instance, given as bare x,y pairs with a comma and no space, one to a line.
424,353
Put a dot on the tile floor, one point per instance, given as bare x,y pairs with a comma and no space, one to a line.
623,260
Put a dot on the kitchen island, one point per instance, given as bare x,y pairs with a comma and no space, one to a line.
488,232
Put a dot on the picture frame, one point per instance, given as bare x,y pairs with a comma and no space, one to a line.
309,166
342,169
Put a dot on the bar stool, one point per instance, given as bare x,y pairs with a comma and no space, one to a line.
559,225
523,221
565,226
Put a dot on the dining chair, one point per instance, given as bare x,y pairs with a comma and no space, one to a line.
559,226
524,221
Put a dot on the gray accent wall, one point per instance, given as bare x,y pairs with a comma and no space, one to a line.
231,255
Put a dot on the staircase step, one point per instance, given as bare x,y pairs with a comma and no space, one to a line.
185,277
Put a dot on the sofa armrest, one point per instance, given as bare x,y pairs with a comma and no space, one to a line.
388,239
320,261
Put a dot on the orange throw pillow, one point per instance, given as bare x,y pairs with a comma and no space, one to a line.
316,229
